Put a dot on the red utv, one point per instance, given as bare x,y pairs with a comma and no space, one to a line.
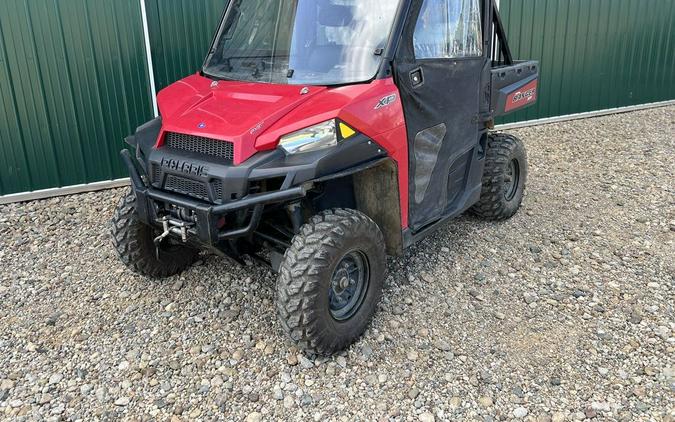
320,136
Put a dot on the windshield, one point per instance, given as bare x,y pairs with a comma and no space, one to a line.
308,42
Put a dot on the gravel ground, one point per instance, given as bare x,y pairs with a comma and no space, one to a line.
563,313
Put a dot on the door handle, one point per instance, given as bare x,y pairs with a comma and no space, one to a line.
417,77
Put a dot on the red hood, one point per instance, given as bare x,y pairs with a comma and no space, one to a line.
237,112
253,116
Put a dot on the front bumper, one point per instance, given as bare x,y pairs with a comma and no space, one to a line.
204,221
236,208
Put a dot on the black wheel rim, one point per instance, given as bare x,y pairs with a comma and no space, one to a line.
348,287
512,180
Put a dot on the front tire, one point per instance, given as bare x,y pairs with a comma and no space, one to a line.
330,281
134,243
504,178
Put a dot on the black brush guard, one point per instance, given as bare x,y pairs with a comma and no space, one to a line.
204,217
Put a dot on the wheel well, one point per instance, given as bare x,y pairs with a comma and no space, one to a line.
374,192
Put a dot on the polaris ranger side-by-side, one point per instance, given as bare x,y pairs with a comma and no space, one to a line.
320,136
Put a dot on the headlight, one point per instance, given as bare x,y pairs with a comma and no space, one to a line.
314,138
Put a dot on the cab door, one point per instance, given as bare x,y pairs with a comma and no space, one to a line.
438,68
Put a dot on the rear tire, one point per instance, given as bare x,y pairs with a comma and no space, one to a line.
504,178
134,243
331,281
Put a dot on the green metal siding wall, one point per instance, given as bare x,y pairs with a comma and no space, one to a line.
180,33
73,83
74,79
595,54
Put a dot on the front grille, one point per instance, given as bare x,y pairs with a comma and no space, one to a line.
199,144
186,187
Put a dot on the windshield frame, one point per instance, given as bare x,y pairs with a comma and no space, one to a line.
384,68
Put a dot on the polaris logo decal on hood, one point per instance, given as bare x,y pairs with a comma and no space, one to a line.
257,128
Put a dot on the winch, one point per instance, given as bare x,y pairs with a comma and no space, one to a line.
176,226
